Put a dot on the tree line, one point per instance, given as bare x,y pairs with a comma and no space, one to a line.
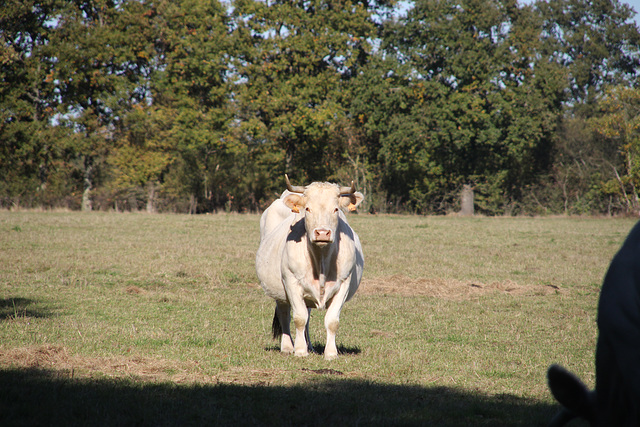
204,105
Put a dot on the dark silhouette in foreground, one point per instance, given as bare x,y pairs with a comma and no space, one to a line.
616,398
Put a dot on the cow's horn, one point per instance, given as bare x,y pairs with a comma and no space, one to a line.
296,189
348,190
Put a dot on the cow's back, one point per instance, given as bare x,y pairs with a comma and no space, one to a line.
274,215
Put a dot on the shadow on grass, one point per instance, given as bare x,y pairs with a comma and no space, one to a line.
14,308
318,348
40,397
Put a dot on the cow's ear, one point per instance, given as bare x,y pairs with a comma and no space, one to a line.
294,202
352,201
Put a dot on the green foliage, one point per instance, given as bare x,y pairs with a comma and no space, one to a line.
190,96
596,41
594,168
204,105
468,103
101,61
619,126
295,59
28,153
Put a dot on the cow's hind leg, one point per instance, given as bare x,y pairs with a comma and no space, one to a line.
282,326
306,332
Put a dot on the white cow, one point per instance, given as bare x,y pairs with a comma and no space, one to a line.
616,398
309,257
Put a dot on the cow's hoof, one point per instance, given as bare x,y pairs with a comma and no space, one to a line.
330,356
302,353
286,345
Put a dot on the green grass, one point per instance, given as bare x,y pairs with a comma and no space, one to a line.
119,319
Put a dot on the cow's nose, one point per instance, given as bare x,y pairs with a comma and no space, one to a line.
322,235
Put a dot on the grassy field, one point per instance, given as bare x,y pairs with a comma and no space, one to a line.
134,319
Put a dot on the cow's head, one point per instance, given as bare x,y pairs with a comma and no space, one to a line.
320,202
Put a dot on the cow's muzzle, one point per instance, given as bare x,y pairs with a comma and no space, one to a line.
322,236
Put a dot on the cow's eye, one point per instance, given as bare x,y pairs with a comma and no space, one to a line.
307,209
335,210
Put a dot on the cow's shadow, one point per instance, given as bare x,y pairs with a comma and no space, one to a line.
41,397
318,348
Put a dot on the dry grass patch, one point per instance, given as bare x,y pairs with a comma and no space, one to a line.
63,364
451,289
60,360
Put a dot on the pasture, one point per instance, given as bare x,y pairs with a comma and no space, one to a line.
123,319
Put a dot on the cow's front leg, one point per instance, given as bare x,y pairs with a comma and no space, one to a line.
283,314
332,319
300,320
294,291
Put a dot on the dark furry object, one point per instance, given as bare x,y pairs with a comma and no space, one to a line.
276,328
616,398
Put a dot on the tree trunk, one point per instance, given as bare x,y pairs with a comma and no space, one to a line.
151,196
193,204
88,185
466,201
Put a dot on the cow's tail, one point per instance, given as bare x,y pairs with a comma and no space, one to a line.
577,400
276,327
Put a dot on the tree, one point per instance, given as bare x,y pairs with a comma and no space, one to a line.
140,156
468,105
619,125
295,59
28,152
101,59
190,95
598,43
